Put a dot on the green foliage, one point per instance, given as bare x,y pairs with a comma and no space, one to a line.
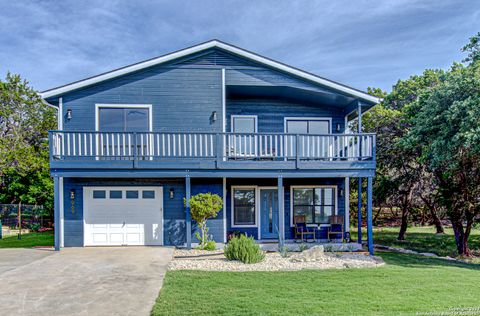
202,207
446,129
24,123
245,249
473,49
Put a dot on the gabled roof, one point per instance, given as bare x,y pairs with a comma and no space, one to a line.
201,47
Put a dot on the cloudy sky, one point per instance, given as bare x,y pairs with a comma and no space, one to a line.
359,43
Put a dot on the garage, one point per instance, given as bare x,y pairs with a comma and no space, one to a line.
123,216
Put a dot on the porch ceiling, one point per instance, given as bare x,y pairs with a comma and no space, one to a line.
305,95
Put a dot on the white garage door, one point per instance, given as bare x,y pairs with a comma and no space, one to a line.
116,216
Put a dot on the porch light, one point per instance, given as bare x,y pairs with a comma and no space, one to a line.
171,193
69,114
214,116
339,127
72,194
341,192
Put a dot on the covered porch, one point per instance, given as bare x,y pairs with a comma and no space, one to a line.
265,208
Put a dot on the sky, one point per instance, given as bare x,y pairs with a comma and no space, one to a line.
358,43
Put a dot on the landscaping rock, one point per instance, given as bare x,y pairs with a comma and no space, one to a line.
313,254
216,261
428,254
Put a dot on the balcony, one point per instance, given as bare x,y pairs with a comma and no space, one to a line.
159,150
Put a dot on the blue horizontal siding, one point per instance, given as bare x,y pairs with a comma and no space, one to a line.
215,225
181,99
271,113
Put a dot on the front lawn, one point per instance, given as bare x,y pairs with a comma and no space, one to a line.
422,239
406,285
28,240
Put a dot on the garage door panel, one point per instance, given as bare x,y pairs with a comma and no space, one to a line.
137,221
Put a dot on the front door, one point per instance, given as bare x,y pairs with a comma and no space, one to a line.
269,213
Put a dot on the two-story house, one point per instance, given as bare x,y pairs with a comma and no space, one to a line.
270,139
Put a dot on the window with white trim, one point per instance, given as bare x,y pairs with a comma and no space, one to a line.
317,204
123,119
244,213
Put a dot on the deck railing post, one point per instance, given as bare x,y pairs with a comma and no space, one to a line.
50,145
219,155
297,150
135,150
374,147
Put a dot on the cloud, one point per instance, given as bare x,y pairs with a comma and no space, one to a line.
359,43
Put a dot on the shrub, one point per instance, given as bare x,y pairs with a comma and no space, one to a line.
202,207
35,227
245,249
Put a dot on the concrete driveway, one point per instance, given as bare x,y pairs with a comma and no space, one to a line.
81,281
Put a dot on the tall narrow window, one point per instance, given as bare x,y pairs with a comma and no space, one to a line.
244,207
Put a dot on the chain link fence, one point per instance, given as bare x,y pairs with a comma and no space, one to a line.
24,218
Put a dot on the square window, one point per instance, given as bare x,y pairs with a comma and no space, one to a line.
99,194
115,194
148,194
316,204
132,194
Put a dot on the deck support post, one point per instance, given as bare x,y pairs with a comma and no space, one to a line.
281,213
188,220
347,206
56,214
359,211
369,215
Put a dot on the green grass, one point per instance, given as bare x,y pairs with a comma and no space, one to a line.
406,285
422,239
28,240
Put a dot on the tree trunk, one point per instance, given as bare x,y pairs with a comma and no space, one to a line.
436,221
461,237
403,226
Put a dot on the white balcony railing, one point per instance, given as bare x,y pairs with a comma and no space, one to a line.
221,146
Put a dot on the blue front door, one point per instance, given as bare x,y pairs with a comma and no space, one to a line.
269,213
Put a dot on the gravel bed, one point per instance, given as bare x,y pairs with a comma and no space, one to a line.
216,261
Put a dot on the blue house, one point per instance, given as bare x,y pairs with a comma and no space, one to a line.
270,139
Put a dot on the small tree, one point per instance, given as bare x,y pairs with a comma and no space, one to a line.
202,207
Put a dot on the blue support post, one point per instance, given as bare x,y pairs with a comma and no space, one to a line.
369,215
56,210
359,209
188,220
281,213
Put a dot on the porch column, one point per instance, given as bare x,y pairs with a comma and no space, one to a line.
347,205
56,211
281,212
188,220
369,215
359,211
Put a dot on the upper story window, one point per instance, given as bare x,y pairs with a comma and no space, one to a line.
307,126
123,118
244,123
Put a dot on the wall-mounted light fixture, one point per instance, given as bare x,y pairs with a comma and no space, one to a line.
69,114
171,193
213,117
72,200
339,127
341,192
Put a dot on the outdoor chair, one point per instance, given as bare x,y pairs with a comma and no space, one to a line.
302,231
336,227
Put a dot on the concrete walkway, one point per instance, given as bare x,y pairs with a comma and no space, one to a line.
81,281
